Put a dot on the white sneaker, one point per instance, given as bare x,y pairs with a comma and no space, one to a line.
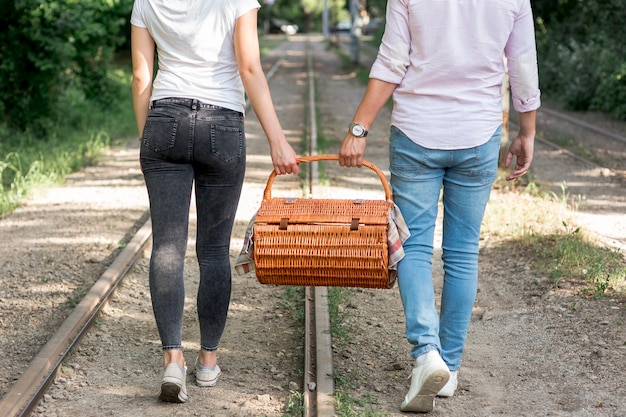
450,387
207,377
427,380
173,385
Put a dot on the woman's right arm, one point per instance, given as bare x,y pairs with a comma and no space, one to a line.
142,54
255,84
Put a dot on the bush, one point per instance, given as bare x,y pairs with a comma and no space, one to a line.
29,161
582,53
611,92
48,46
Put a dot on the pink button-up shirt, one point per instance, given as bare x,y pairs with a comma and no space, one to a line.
447,58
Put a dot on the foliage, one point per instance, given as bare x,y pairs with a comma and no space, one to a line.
541,224
294,405
347,406
49,46
581,48
313,7
569,254
29,161
307,13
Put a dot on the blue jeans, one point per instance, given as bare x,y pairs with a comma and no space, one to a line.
417,177
187,143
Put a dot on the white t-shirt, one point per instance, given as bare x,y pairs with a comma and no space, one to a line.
196,55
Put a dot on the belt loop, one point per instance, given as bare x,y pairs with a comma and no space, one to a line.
194,104
151,105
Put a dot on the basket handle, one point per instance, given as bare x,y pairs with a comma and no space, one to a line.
267,194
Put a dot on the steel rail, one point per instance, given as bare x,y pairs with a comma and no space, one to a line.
318,383
571,154
320,365
585,125
34,382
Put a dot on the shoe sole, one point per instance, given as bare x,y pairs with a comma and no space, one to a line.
449,389
171,393
423,402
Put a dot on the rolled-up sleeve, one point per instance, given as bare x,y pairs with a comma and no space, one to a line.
392,60
521,53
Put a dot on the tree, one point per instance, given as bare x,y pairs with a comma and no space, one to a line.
48,46
307,13
581,49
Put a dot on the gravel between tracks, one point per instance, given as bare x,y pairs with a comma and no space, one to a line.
533,350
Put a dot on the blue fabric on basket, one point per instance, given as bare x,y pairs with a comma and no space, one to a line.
397,233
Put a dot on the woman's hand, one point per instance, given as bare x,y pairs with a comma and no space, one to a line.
284,158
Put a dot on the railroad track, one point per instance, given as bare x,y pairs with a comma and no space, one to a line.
589,126
30,388
621,173
601,147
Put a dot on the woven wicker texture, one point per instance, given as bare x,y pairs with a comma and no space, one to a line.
323,242
324,211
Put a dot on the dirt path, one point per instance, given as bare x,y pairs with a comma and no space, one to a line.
533,350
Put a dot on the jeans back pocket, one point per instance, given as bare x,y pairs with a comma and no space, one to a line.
159,134
226,142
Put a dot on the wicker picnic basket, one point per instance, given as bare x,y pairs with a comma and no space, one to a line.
323,242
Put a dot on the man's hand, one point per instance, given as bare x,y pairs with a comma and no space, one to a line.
523,147
352,151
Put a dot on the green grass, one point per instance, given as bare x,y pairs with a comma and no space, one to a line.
338,296
295,404
568,254
347,406
541,225
292,301
77,138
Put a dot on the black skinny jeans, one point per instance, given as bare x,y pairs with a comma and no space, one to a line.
186,142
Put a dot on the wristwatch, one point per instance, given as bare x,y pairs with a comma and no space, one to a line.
358,130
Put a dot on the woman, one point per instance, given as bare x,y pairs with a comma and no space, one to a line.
190,119
442,61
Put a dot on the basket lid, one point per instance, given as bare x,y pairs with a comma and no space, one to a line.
306,210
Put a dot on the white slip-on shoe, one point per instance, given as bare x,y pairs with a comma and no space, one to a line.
450,387
205,376
174,384
427,380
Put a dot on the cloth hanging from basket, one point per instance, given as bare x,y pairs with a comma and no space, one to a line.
397,234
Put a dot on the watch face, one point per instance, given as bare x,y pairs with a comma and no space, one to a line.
358,130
